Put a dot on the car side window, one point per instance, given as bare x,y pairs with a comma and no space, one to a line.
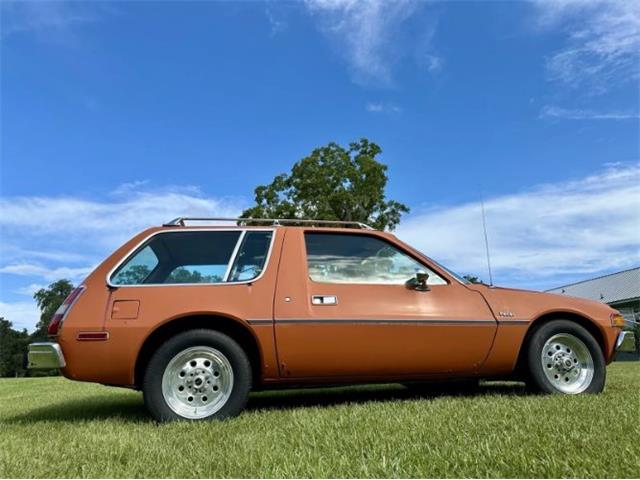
363,259
136,270
197,274
251,257
179,258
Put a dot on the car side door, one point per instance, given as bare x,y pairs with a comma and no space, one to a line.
342,308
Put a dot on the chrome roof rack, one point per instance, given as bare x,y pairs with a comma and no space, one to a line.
181,221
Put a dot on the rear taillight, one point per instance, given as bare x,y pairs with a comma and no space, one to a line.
63,311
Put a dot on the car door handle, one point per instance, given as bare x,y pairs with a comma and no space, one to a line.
324,300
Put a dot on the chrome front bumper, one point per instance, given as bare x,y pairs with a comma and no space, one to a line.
626,342
45,356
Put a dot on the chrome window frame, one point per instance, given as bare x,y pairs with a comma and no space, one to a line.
232,258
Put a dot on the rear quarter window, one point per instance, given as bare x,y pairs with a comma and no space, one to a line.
194,257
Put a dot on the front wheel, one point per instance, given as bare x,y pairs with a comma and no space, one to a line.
197,375
563,357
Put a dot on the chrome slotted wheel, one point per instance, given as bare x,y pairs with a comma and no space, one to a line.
567,363
197,382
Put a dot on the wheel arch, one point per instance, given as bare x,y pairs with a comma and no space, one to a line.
234,328
589,324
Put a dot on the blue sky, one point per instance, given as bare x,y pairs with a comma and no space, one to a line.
121,115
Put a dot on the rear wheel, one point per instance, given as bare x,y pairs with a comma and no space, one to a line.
197,375
563,357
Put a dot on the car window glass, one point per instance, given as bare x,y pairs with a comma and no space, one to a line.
354,258
137,269
197,274
251,256
180,257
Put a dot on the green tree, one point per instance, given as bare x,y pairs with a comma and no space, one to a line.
472,279
132,275
13,347
184,275
332,183
48,300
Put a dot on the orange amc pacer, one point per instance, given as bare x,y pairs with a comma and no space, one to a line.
198,316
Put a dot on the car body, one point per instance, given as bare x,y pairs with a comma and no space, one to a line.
302,304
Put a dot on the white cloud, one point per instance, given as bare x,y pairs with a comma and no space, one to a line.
277,24
30,289
551,111
365,31
65,230
48,17
575,228
21,314
125,213
17,253
51,274
433,63
129,188
382,107
603,41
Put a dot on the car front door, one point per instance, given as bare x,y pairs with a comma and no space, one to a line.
342,308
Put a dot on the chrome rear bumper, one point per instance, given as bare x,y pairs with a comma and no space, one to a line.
626,342
45,356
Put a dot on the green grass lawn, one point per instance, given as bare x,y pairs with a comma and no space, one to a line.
52,427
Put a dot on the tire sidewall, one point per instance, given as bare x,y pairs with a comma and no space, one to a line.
546,331
242,379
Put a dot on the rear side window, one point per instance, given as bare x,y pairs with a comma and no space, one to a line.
137,269
352,258
251,257
196,257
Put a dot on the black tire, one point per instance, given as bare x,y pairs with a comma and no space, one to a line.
242,377
537,379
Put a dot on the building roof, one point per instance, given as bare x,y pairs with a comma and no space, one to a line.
613,288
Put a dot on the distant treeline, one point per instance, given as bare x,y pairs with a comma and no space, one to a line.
13,343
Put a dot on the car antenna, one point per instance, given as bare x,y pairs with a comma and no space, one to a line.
486,240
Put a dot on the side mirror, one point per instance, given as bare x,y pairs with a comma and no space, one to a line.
419,282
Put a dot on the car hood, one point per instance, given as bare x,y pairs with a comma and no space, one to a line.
515,304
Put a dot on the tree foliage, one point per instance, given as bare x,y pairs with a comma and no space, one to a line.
472,279
332,183
184,275
132,275
48,300
13,346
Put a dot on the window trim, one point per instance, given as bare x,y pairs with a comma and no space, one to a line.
400,248
232,258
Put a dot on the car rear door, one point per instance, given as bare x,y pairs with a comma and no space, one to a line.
341,311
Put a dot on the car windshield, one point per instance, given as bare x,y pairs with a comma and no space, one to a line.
460,278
